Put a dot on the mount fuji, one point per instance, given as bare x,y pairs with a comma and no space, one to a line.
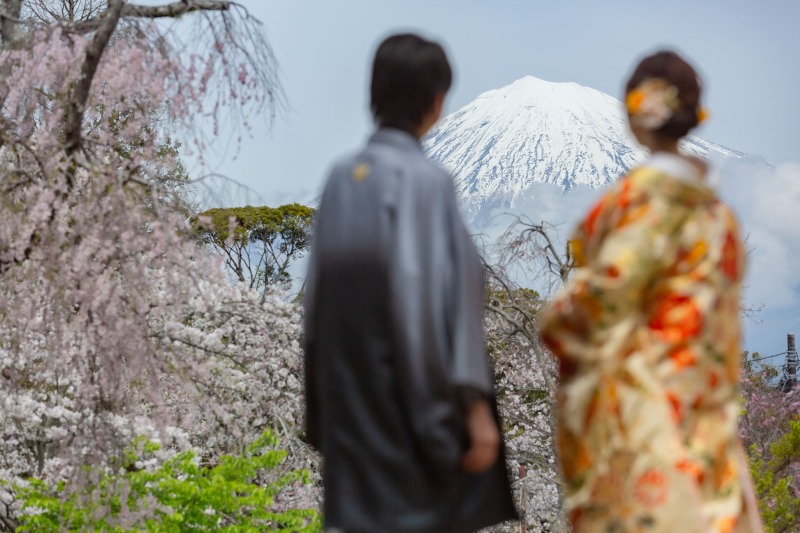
536,131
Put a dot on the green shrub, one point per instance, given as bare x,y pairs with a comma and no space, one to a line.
180,495
780,508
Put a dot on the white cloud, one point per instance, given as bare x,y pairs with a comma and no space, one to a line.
767,201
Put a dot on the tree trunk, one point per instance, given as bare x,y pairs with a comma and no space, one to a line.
9,20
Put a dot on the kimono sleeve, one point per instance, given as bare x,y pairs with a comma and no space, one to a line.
469,363
313,405
310,354
437,296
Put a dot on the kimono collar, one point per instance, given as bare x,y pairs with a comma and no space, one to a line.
671,175
678,167
396,138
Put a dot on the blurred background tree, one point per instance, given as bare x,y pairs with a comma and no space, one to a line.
258,244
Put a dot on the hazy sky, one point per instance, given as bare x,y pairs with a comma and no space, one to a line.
746,50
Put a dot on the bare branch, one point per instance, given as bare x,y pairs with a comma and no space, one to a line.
77,104
8,523
175,9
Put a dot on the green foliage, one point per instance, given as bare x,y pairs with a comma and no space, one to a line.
533,396
258,243
531,300
780,508
181,495
289,222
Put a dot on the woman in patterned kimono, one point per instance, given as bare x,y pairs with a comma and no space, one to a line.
647,334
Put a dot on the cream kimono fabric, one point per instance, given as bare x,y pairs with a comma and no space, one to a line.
647,334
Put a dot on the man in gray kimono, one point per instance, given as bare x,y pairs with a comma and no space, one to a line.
398,384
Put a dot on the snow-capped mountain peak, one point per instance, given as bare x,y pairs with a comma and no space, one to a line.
537,131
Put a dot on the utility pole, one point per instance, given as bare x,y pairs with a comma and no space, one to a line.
789,379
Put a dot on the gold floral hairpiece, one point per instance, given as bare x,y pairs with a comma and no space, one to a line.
652,103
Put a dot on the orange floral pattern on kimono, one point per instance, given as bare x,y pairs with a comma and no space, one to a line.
647,331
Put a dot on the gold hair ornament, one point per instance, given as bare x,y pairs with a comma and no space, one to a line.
652,103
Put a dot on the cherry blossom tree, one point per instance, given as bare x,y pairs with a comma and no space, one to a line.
114,324
770,431
526,373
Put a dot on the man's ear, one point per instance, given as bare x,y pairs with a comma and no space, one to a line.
431,116
438,105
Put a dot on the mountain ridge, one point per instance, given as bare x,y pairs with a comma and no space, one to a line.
536,131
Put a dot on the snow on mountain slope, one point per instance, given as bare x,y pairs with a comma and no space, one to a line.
538,131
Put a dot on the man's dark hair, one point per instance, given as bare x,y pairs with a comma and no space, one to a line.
673,69
407,73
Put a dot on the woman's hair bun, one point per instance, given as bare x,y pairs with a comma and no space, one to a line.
671,69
